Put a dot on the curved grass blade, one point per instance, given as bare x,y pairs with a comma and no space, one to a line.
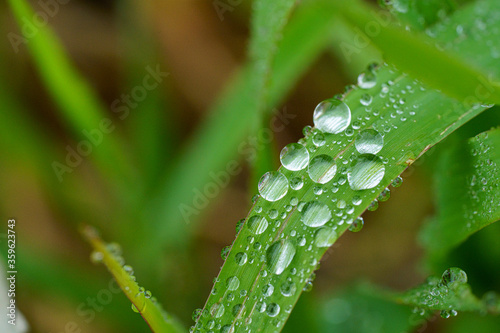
76,100
142,302
303,212
303,39
468,193
449,72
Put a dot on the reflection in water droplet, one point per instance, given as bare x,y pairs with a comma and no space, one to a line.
241,258
453,277
288,289
332,116
315,214
296,183
279,256
294,157
257,224
273,186
369,142
217,310
325,237
357,225
366,172
322,169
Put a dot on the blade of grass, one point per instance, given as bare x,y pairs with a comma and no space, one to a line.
142,302
418,56
278,248
76,100
468,195
303,40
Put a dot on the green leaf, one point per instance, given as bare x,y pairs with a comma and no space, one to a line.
290,227
448,294
468,197
228,127
142,301
451,72
76,100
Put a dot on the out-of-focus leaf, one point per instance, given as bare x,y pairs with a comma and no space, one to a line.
468,193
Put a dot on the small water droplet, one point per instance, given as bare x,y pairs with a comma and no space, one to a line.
217,310
268,290
288,288
315,214
322,169
357,225
294,157
96,257
366,172
279,256
273,186
397,182
367,80
332,116
134,308
273,310
225,252
296,183
369,142
453,277
241,258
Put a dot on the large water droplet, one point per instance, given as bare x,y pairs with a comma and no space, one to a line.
288,288
257,224
241,258
279,256
332,116
217,310
365,172
273,186
273,310
322,169
294,157
453,277
369,142
325,237
315,214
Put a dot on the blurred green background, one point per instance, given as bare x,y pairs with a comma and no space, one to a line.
123,184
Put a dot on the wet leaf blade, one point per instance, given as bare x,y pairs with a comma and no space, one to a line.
157,319
468,193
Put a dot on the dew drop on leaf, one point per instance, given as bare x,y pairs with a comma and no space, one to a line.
273,186
279,256
257,224
332,116
217,310
453,277
273,310
369,142
296,183
365,172
241,258
367,80
325,237
288,288
322,169
357,225
315,214
233,283
294,157
268,290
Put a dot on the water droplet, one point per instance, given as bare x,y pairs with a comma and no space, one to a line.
385,195
134,308
332,116
365,172
257,224
453,277
322,169
294,157
356,200
96,257
373,206
273,186
217,310
273,310
233,283
325,237
397,182
318,139
366,99
296,183
268,290
196,314
367,80
369,142
239,225
241,258
357,225
315,214
227,329
279,256
288,289
225,252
